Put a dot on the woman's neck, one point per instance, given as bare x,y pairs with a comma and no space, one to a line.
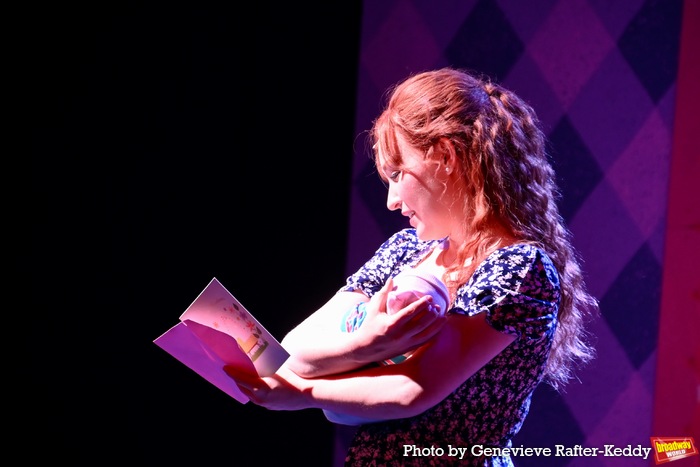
497,235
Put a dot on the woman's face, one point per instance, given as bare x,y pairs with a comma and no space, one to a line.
420,188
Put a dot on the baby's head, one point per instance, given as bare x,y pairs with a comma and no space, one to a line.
412,284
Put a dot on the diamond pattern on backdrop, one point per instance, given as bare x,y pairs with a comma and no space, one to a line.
572,161
640,307
601,76
640,174
650,45
568,48
487,39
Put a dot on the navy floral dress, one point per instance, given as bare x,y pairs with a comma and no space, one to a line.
517,287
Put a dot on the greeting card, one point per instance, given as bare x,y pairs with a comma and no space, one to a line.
217,330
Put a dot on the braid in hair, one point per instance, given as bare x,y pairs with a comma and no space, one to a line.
516,146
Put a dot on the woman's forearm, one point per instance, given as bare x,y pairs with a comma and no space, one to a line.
373,393
333,351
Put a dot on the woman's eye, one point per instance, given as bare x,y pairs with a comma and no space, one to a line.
393,176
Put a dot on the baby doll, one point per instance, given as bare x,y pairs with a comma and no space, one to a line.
409,286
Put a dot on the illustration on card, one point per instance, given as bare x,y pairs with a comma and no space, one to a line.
251,339
218,309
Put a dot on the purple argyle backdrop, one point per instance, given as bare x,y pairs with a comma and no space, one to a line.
601,74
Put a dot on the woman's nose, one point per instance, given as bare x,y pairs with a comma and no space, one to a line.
393,202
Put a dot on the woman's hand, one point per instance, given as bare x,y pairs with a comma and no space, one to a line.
282,391
387,335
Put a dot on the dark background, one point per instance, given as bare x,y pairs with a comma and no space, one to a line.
172,144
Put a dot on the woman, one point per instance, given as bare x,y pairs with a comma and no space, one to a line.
465,162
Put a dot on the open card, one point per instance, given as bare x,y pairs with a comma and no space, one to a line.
217,330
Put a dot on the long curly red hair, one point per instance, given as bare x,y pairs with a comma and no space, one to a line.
506,176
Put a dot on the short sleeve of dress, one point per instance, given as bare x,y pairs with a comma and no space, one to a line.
401,250
518,289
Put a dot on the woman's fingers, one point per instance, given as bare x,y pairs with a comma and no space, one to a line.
249,384
239,375
417,309
421,319
381,296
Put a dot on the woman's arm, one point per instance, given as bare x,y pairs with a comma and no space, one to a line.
333,351
380,336
464,345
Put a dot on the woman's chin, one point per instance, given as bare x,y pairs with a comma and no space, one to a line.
425,235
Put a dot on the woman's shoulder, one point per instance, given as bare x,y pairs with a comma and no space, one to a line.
402,249
406,240
407,235
513,268
518,258
521,275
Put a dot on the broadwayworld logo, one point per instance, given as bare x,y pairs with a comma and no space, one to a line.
672,449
